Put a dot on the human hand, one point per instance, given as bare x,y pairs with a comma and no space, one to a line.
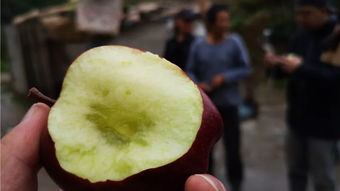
20,151
203,182
217,81
271,59
204,86
20,156
290,63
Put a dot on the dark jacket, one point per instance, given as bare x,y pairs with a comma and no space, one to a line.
314,88
177,52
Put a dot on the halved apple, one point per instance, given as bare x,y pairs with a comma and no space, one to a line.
128,120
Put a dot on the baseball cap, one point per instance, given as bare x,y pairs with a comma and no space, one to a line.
316,3
186,14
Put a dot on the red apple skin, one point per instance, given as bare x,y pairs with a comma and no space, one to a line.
170,177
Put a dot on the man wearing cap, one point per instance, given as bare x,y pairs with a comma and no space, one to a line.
313,113
177,47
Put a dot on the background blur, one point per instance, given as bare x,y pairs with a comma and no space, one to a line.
41,38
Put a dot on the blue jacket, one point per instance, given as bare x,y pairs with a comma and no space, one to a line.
229,58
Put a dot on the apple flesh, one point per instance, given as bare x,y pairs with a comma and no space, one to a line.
128,120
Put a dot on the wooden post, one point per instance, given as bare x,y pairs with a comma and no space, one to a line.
36,57
17,67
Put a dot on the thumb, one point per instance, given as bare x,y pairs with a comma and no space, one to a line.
22,141
20,151
203,182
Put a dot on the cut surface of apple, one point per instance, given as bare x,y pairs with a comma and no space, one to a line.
122,111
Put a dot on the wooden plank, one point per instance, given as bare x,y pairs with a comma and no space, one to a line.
44,60
36,57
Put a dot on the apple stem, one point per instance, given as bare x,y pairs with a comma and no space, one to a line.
35,94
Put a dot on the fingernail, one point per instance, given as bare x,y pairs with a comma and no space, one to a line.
31,112
222,186
218,186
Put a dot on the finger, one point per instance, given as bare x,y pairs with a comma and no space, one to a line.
280,61
269,55
203,182
205,87
20,151
22,142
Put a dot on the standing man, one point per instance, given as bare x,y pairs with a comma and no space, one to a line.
177,47
217,63
313,100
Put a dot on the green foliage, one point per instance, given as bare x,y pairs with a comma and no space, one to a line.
4,66
280,13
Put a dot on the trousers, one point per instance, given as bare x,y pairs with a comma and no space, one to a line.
311,157
232,144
